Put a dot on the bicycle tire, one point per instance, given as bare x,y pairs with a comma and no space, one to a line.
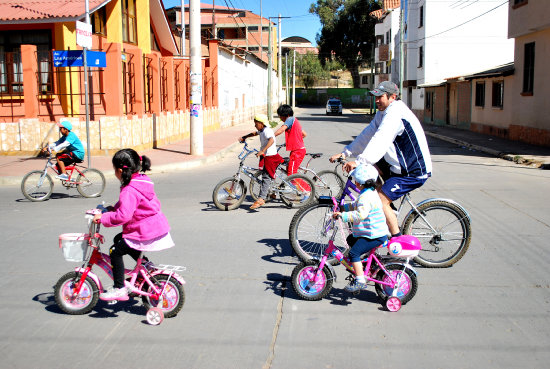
297,190
452,237
408,283
229,193
91,183
301,281
328,183
75,305
37,186
309,233
173,299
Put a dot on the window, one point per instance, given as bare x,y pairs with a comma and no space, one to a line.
364,80
129,21
253,48
518,3
252,28
498,94
480,94
99,22
265,29
388,37
420,56
421,17
529,68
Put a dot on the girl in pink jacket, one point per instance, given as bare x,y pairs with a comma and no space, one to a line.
144,226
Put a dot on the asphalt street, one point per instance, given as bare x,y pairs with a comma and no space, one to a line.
490,310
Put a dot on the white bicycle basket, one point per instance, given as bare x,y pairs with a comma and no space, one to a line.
74,246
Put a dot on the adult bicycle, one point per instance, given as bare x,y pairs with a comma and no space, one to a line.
442,225
295,191
37,185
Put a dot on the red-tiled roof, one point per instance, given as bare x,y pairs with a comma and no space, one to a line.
13,11
391,4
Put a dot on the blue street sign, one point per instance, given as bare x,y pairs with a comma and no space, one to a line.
74,58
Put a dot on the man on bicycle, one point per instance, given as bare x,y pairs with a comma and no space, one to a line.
73,149
394,141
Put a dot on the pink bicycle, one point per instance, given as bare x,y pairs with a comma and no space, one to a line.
77,292
395,280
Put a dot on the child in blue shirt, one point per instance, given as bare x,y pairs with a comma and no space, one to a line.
73,149
369,223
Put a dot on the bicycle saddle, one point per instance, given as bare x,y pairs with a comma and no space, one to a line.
316,155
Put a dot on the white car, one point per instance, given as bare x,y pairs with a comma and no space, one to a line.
334,106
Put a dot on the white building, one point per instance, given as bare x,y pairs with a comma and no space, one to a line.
442,39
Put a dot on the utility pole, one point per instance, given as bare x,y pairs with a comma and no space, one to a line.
293,78
195,77
86,95
401,50
269,67
182,21
261,34
279,60
287,92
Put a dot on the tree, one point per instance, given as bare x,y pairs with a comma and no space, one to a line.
309,69
347,34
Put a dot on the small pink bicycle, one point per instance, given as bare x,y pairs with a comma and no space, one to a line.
395,281
77,292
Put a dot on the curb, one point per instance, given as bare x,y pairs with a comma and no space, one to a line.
166,168
518,159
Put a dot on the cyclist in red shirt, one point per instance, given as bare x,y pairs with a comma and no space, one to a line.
294,137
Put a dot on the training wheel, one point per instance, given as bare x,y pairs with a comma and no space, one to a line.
393,304
155,316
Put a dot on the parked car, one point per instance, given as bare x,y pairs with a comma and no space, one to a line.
334,106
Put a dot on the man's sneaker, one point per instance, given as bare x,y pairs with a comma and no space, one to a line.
355,286
63,177
119,294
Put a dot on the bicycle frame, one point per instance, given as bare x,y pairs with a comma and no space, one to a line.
103,261
70,170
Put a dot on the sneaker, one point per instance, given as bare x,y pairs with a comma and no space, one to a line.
63,177
119,294
257,204
355,286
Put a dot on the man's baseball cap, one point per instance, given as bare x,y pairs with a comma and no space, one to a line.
385,87
65,124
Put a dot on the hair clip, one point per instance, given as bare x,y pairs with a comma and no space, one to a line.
140,159
124,167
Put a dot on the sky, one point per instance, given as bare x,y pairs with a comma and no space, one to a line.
300,22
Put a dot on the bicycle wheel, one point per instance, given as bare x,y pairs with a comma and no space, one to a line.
91,183
229,193
328,183
82,303
444,231
302,281
37,186
297,190
310,230
406,283
173,297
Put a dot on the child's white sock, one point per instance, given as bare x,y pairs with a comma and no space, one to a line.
360,279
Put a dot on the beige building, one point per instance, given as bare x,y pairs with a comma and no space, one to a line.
529,25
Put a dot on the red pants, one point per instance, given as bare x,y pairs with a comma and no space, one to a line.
295,159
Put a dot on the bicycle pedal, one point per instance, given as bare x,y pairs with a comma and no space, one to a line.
112,302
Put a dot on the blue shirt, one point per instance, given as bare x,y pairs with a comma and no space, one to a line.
71,143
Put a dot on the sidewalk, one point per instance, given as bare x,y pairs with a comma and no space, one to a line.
176,156
172,157
519,152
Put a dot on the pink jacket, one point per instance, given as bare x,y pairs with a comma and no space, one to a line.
138,211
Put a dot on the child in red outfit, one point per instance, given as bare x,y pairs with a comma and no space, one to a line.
294,137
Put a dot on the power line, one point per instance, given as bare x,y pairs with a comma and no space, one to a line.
460,25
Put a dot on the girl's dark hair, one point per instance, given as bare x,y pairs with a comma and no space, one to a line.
285,111
130,162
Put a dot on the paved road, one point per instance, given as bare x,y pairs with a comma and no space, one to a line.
490,310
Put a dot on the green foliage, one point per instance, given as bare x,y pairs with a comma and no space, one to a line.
309,69
347,35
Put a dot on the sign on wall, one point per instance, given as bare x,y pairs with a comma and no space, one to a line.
74,58
84,34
